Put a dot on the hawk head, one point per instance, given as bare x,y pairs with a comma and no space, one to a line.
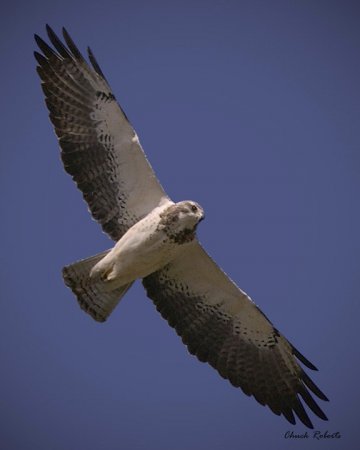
179,221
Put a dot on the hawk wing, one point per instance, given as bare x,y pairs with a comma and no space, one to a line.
221,325
100,149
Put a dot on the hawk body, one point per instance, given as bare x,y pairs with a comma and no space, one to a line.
156,242
150,244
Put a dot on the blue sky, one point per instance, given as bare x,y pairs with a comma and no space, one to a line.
250,108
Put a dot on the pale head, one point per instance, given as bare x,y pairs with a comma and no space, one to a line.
179,221
189,213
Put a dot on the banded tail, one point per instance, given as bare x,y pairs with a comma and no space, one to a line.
93,296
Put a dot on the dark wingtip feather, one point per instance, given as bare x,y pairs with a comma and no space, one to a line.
70,43
302,358
95,63
305,395
289,416
312,386
307,422
57,43
39,58
47,51
301,413
49,30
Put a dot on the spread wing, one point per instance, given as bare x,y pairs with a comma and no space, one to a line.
222,326
100,149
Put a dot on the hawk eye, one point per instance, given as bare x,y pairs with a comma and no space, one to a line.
193,208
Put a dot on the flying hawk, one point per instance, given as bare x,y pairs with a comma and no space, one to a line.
156,242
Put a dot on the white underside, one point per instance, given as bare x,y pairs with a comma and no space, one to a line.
142,250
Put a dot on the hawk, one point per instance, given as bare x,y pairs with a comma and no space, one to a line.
156,242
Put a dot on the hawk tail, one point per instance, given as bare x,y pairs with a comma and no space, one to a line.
91,293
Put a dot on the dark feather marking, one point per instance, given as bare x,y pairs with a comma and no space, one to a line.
58,98
66,121
62,86
65,108
56,73
168,219
68,71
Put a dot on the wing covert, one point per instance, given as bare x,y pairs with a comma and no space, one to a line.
99,147
222,326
